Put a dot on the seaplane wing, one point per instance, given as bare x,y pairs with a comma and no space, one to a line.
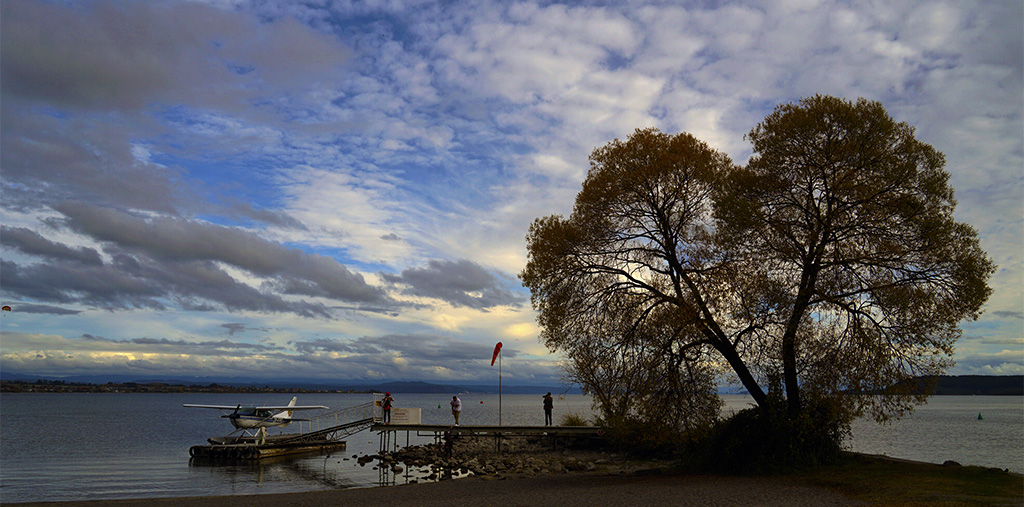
262,407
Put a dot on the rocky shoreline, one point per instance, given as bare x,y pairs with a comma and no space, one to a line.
517,457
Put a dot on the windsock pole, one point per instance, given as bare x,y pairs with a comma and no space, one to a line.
499,390
497,355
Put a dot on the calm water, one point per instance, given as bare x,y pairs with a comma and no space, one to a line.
103,446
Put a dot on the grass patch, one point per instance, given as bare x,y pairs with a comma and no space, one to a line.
573,420
882,481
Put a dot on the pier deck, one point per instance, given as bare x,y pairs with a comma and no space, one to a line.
492,431
389,433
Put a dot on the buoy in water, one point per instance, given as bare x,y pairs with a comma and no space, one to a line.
980,417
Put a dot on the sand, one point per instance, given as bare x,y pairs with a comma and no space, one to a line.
564,490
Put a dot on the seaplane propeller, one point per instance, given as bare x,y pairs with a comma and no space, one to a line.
232,415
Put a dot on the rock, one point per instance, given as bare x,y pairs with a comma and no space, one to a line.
950,463
574,464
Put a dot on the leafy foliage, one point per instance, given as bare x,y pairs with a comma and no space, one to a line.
831,263
850,219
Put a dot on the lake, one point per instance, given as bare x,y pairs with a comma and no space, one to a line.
61,447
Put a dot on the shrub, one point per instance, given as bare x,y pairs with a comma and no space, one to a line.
759,441
640,437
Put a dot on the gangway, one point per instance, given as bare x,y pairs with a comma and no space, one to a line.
338,424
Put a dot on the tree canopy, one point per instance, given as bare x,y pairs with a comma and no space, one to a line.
830,263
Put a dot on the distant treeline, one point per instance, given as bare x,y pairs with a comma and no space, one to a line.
984,385
147,386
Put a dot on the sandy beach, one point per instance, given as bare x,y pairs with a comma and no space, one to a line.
566,490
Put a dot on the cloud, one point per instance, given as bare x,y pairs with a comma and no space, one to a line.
44,309
237,328
192,347
289,160
84,57
181,241
121,102
1003,362
416,348
460,283
1008,314
160,260
32,243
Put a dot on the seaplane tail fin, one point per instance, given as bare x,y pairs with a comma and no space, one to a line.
287,414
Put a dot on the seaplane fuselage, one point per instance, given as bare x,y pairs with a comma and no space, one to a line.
257,419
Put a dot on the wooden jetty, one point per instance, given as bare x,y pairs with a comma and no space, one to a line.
320,434
326,433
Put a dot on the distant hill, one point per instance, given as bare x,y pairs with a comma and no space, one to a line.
985,385
966,385
417,387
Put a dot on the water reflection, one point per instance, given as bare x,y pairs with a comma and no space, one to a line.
308,468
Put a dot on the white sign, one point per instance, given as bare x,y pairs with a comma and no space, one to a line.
405,415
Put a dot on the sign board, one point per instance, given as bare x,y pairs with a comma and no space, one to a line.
405,415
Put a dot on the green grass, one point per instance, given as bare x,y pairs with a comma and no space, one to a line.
882,481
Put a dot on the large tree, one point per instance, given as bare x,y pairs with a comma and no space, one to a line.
831,262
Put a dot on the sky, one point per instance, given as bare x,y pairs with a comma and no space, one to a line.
341,190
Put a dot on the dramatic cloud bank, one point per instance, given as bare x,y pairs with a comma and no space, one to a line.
340,190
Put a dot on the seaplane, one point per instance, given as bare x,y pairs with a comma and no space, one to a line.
253,421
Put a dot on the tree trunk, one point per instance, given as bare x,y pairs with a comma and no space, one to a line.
789,374
742,372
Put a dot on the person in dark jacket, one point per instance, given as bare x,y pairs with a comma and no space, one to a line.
386,404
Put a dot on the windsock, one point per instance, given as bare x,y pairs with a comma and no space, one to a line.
497,349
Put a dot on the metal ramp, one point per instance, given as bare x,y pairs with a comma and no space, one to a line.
336,425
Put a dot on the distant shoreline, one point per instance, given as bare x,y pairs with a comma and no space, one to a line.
946,385
131,387
277,387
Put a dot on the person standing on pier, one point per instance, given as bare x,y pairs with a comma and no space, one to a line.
386,402
549,404
456,408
